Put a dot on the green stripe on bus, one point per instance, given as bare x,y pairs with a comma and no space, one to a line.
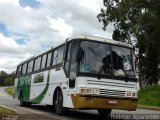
24,85
40,97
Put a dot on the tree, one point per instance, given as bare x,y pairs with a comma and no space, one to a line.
137,22
3,75
6,79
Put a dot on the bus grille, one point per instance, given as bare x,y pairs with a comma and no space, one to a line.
113,88
110,84
111,92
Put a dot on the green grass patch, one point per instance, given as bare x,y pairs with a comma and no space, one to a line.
149,96
148,107
6,111
10,91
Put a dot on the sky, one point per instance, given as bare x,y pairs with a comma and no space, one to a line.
30,27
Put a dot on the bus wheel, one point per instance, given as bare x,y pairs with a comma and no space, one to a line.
58,103
28,104
104,112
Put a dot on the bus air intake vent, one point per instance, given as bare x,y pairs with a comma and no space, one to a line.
110,84
107,92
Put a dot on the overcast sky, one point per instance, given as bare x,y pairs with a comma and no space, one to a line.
29,27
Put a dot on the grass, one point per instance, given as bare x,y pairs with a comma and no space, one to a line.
6,111
149,96
148,107
10,91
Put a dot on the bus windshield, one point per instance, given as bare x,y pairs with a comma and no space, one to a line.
106,59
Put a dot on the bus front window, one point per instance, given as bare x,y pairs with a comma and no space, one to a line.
93,55
122,61
105,59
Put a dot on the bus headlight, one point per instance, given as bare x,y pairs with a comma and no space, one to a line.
131,94
95,91
83,91
89,91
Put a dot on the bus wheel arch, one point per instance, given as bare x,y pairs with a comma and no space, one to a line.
58,101
55,93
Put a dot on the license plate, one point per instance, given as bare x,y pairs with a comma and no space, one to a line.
112,101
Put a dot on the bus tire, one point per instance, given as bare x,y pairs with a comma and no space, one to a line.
58,102
28,104
104,112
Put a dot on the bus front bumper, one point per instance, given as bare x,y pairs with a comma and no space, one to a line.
103,102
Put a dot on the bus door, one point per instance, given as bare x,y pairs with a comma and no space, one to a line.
70,68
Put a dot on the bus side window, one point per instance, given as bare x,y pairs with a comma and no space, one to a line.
54,58
67,59
60,55
30,66
37,64
43,65
24,68
19,70
49,59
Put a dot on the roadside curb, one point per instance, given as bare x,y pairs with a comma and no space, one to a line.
8,116
148,107
8,108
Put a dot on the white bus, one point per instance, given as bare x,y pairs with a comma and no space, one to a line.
85,72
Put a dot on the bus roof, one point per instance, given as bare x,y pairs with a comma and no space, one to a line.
100,39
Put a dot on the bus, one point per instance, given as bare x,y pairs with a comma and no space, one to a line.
85,72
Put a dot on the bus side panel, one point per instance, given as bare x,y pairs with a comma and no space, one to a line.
48,98
67,92
39,87
58,78
54,82
24,87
